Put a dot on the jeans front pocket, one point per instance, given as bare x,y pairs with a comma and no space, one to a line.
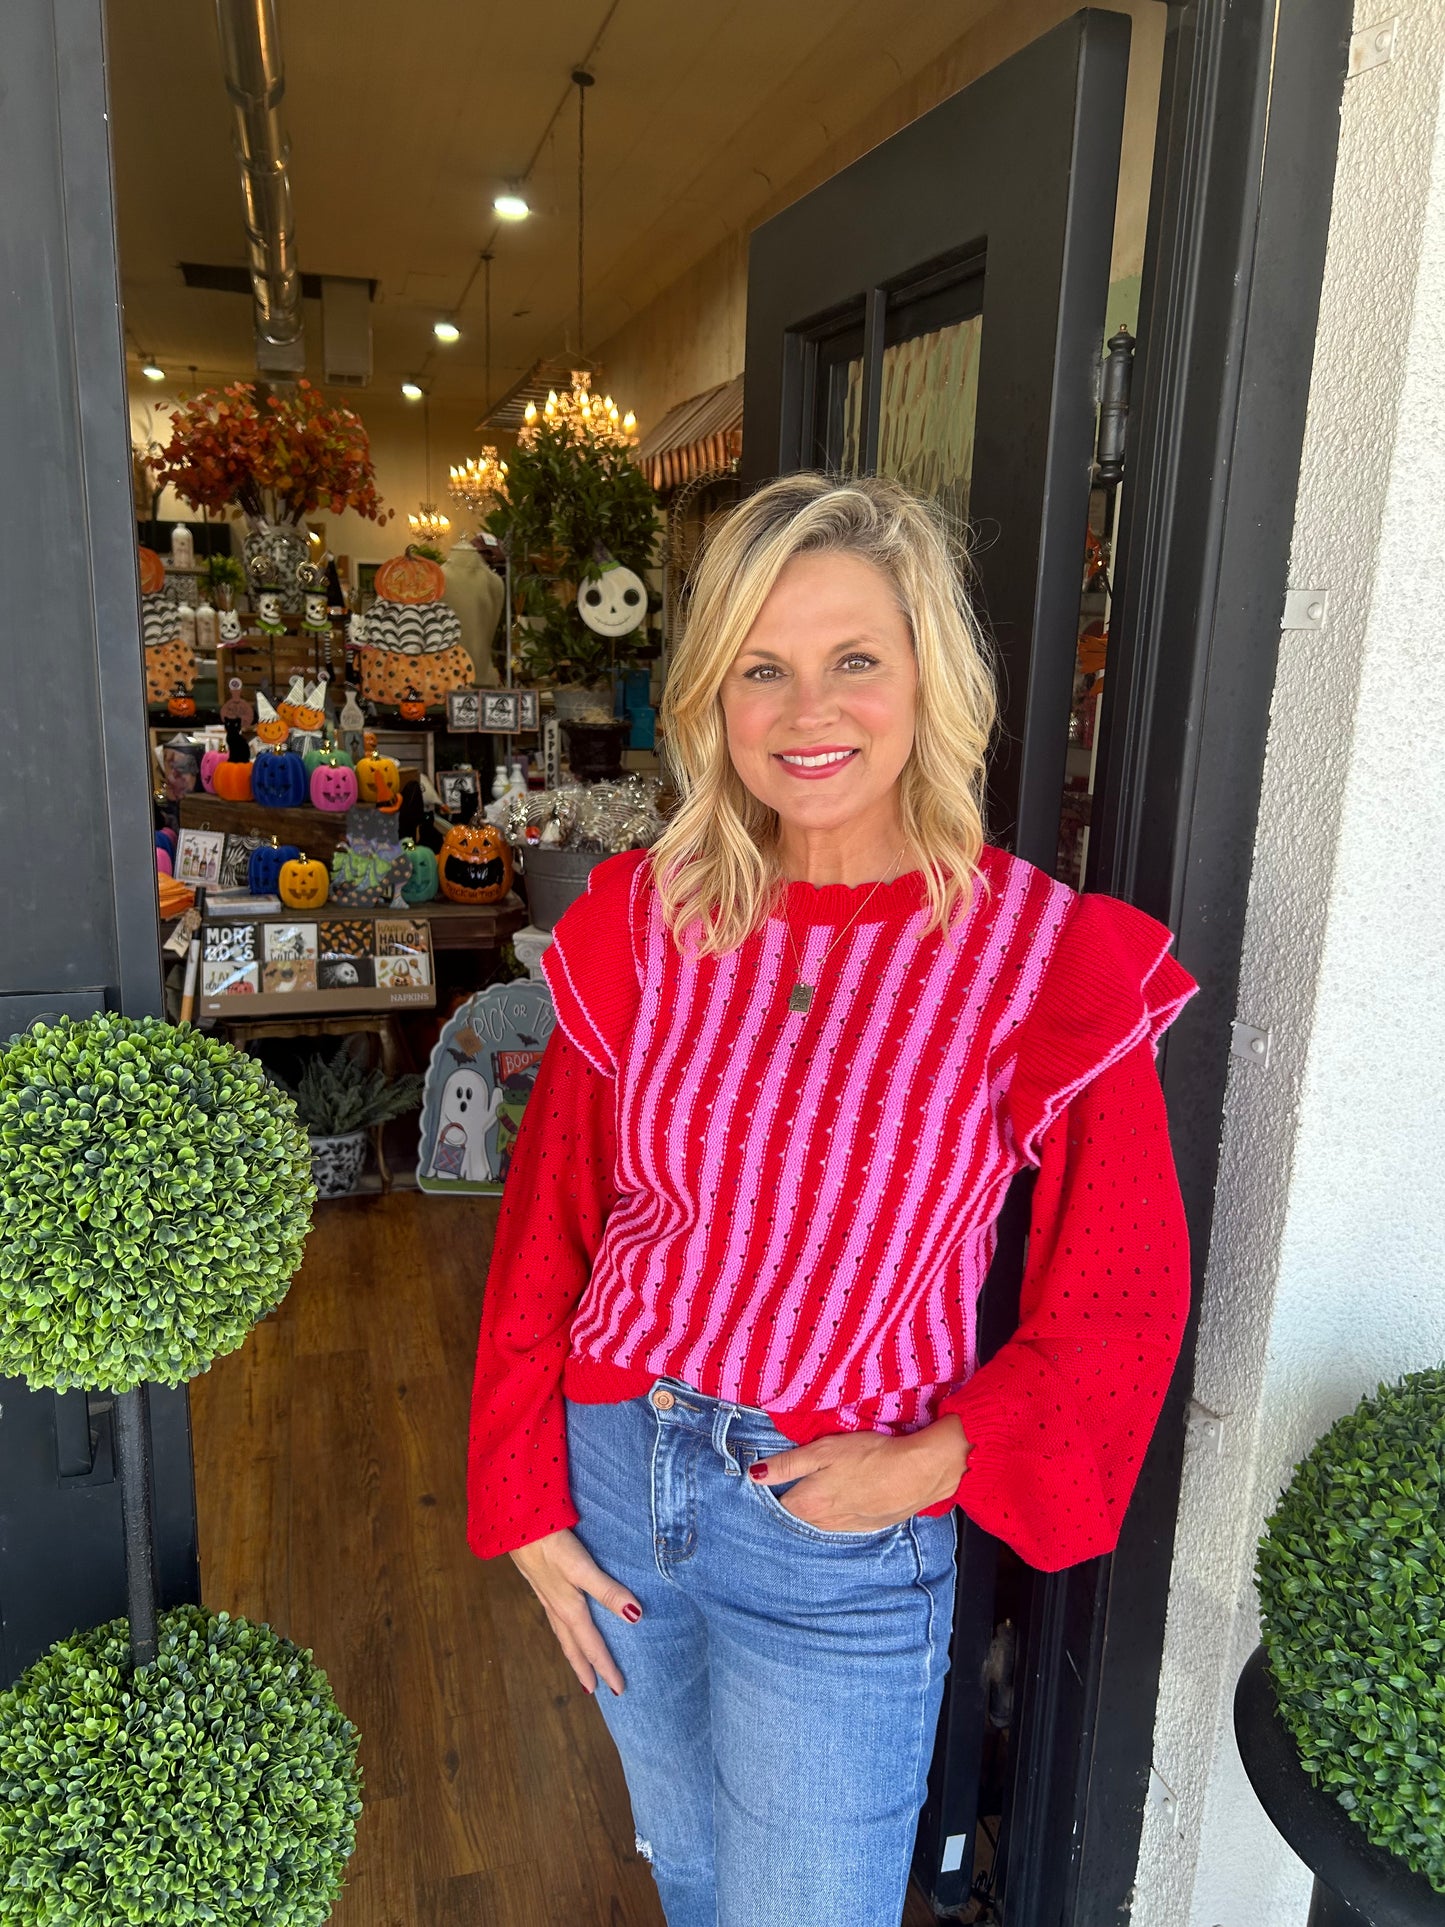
772,1503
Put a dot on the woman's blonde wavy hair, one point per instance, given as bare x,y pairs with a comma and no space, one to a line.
716,864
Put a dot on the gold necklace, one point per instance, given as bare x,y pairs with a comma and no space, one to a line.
800,997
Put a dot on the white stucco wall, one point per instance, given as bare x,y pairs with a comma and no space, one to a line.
1326,1271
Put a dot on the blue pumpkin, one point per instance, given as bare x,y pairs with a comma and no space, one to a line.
263,872
278,779
424,882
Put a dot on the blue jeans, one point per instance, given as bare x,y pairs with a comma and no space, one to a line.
783,1684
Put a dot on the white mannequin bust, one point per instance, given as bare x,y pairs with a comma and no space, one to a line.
475,591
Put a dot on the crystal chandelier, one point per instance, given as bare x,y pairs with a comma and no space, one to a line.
480,482
429,524
580,417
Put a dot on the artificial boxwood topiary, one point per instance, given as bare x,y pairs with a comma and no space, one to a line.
219,1784
1351,1575
155,1194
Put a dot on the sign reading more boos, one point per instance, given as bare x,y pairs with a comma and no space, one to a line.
477,1085
272,966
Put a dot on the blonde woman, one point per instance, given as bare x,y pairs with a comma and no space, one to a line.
727,1396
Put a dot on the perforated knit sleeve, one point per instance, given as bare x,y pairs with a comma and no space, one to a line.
1109,985
591,963
558,1192
1058,1420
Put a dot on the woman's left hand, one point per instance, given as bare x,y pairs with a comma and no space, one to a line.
864,1481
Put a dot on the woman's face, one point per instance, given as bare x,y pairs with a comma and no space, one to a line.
820,701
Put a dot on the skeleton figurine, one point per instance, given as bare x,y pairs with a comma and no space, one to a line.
267,591
229,633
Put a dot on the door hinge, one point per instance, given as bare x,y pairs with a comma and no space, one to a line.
1373,46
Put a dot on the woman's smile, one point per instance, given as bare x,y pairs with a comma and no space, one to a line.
810,764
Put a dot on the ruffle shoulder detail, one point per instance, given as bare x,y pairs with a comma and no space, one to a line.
592,965
1110,984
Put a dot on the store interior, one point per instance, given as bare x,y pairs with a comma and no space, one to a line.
420,467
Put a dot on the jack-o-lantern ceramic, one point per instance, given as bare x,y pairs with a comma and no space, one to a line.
614,603
210,763
378,780
180,703
304,709
413,649
272,729
333,786
475,864
412,707
304,883
410,578
424,882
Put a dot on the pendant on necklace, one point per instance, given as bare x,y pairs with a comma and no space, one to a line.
800,997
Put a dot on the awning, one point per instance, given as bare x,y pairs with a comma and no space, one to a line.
697,436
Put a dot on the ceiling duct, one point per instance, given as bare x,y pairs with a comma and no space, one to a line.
256,83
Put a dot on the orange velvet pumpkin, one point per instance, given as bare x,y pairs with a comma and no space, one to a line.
304,883
233,782
152,573
475,864
410,578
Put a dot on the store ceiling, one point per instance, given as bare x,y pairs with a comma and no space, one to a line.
404,120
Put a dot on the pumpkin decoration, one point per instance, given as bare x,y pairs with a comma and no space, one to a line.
303,883
424,882
413,650
312,758
367,873
333,786
163,862
476,864
278,780
378,779
211,761
413,709
272,729
263,870
410,578
304,709
233,781
152,572
180,703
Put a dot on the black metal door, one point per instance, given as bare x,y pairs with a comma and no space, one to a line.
77,865
998,204
997,208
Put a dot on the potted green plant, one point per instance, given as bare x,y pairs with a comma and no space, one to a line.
155,1192
338,1100
223,579
573,501
1340,1713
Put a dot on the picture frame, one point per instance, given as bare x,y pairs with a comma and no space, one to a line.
198,858
464,711
500,711
528,708
454,786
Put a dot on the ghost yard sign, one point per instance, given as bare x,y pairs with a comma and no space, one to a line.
477,1085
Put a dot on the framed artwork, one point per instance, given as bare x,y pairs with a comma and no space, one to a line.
199,854
528,709
501,710
477,1085
456,787
464,711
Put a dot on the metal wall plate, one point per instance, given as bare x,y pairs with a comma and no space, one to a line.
1373,46
1305,608
1250,1044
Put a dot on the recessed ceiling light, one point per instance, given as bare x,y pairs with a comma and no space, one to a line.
446,331
411,390
511,207
152,371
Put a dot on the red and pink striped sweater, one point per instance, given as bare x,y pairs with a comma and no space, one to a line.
797,1210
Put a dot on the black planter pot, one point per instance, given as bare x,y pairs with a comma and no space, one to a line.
594,750
1357,1884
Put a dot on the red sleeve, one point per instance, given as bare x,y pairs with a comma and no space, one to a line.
592,966
555,1202
1058,1420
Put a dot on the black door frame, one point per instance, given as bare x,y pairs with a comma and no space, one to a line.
1239,217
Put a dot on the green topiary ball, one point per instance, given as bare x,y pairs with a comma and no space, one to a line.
220,1784
155,1194
1351,1576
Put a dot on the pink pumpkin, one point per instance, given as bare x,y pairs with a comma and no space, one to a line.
333,786
209,762
163,863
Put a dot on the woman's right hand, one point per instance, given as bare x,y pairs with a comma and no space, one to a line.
562,1573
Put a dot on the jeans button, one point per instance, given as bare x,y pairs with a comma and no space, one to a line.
663,1399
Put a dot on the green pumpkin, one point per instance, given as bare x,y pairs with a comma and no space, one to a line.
336,758
423,883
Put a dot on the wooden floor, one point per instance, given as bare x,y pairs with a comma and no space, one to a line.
329,1471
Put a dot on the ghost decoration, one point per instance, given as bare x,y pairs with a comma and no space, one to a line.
467,1111
230,628
614,603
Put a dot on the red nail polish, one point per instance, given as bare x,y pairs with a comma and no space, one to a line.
760,1470
634,1613
587,1689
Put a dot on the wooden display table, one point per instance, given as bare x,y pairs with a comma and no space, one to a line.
317,832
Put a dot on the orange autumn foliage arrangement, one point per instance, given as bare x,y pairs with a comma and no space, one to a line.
282,455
